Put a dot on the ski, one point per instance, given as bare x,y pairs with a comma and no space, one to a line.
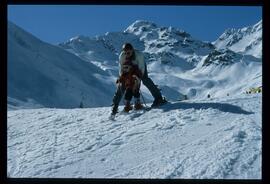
145,108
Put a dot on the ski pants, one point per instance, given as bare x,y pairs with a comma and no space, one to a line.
146,81
130,93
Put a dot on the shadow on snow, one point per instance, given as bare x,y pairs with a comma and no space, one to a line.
219,106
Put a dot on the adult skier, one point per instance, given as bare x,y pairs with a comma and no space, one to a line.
137,58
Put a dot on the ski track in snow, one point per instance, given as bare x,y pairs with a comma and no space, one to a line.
208,139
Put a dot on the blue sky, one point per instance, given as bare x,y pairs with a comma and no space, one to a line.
58,23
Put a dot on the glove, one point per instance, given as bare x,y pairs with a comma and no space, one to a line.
119,80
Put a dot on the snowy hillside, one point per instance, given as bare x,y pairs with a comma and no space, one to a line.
45,75
247,40
219,138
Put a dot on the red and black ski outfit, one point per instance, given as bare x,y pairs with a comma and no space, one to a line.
131,79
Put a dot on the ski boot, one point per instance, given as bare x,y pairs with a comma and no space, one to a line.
113,113
138,104
114,110
127,107
159,101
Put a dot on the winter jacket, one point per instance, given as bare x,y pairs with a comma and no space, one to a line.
139,61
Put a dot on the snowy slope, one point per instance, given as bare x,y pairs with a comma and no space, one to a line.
215,138
247,40
46,75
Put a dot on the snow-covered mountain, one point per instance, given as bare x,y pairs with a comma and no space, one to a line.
178,63
175,60
168,45
42,74
247,40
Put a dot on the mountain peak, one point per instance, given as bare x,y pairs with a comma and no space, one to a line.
247,40
140,25
258,26
79,38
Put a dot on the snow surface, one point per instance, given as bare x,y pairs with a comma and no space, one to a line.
218,138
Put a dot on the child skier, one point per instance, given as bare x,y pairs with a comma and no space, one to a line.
130,80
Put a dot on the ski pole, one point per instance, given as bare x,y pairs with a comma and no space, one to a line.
143,98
